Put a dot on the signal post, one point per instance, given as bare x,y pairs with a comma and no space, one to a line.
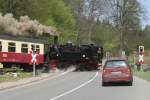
34,55
141,57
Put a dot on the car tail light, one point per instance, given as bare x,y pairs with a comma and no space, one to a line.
127,71
106,71
99,64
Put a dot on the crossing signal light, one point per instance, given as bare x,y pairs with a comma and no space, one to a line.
141,49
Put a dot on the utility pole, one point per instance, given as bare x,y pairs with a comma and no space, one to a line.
121,28
56,40
89,35
78,38
9,6
120,25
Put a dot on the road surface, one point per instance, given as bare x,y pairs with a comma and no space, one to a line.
78,86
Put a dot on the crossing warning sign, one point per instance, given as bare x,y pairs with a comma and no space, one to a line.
141,55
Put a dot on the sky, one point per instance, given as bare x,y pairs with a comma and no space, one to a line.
146,7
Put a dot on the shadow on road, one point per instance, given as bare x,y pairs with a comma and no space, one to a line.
85,71
120,84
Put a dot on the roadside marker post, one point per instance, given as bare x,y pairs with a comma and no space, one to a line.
107,55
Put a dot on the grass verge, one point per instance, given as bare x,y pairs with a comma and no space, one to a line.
10,77
142,74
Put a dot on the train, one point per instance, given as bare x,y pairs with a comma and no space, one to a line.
85,57
16,51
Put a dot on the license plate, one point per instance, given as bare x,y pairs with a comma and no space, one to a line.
116,73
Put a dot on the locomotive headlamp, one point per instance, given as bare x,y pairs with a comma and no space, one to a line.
99,50
83,56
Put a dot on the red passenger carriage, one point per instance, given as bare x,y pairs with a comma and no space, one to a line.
16,50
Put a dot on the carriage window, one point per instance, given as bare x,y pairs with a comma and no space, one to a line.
24,48
11,47
38,48
32,47
0,46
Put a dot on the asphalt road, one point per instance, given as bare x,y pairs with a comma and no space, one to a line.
79,86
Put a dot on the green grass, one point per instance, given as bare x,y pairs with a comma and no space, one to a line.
146,59
142,74
7,78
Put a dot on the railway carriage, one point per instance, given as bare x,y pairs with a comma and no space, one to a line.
17,50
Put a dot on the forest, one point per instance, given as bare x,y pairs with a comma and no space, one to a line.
114,24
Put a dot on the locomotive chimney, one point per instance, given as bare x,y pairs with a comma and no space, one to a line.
56,40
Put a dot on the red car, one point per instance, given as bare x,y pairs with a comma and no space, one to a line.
117,70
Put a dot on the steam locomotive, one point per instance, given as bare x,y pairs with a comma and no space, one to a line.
85,57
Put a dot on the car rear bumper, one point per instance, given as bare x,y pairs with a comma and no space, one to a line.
117,79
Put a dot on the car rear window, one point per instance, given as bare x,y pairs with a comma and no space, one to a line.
116,63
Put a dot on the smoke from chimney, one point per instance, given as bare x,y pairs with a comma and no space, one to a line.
24,26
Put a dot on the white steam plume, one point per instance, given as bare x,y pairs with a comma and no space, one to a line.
24,26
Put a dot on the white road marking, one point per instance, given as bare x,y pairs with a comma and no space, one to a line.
33,83
74,89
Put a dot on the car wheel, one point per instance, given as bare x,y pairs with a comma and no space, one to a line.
130,83
104,84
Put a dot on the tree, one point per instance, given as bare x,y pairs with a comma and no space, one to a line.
86,13
122,17
49,12
146,30
125,15
146,40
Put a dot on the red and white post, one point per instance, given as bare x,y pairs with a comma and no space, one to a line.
141,56
34,61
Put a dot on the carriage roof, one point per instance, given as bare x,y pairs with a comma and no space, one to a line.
43,40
